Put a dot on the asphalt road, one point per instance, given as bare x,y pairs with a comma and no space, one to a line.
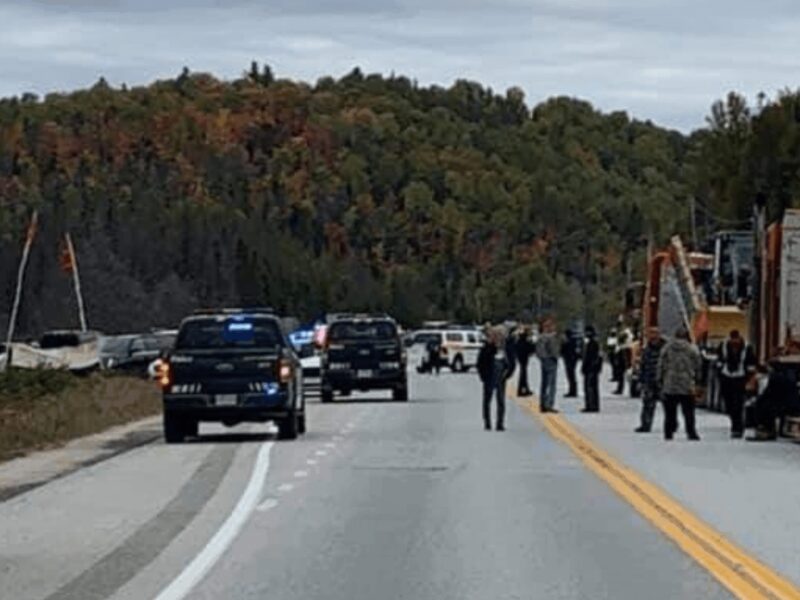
380,500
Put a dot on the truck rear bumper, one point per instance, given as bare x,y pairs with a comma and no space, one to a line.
349,381
249,407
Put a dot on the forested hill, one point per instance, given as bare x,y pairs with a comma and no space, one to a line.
362,193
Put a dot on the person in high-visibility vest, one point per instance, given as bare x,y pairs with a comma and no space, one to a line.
736,364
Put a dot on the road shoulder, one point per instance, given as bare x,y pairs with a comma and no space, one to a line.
26,473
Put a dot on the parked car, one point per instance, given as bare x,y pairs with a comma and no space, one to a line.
115,349
134,353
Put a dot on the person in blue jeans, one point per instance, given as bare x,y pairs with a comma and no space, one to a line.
548,350
496,362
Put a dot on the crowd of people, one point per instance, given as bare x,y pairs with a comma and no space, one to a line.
669,373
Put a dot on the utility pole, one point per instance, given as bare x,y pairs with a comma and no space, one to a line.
692,216
23,263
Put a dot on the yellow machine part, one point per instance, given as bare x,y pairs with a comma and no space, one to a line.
716,322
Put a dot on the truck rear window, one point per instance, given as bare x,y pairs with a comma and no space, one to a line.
369,330
229,333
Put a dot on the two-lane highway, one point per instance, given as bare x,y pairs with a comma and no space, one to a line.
379,500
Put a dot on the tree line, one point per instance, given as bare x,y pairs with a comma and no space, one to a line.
363,193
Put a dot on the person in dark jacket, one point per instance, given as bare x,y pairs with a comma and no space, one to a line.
592,365
648,377
622,359
524,348
570,354
434,348
495,366
779,399
736,364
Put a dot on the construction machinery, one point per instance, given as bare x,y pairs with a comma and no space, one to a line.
695,290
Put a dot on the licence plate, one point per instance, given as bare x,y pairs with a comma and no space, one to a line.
364,374
226,399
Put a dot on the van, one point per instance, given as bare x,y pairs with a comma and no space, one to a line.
459,347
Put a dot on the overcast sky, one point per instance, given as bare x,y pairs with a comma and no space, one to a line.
665,60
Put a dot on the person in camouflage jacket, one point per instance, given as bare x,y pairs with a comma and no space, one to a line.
678,374
648,377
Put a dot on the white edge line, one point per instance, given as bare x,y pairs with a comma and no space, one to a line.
194,572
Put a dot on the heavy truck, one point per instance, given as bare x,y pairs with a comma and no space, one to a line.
696,290
749,281
777,311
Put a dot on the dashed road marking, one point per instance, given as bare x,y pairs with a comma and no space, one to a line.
300,474
311,461
267,504
286,487
321,452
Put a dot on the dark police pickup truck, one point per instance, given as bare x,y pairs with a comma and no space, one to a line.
363,353
231,366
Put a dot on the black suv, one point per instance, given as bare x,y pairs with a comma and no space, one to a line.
363,353
231,366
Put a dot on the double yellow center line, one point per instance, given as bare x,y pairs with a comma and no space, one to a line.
742,574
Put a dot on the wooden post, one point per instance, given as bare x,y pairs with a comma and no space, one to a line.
76,280
12,323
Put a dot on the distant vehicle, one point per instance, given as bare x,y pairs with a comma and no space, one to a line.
459,346
115,349
363,353
60,349
135,353
231,366
311,366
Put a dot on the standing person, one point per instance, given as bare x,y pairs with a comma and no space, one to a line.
678,373
622,358
736,364
495,366
524,349
570,353
591,367
547,351
434,348
648,377
611,352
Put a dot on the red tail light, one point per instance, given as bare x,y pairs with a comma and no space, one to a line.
285,371
163,374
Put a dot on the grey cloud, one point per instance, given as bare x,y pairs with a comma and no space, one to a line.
658,59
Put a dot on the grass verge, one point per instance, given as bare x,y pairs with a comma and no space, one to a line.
41,409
